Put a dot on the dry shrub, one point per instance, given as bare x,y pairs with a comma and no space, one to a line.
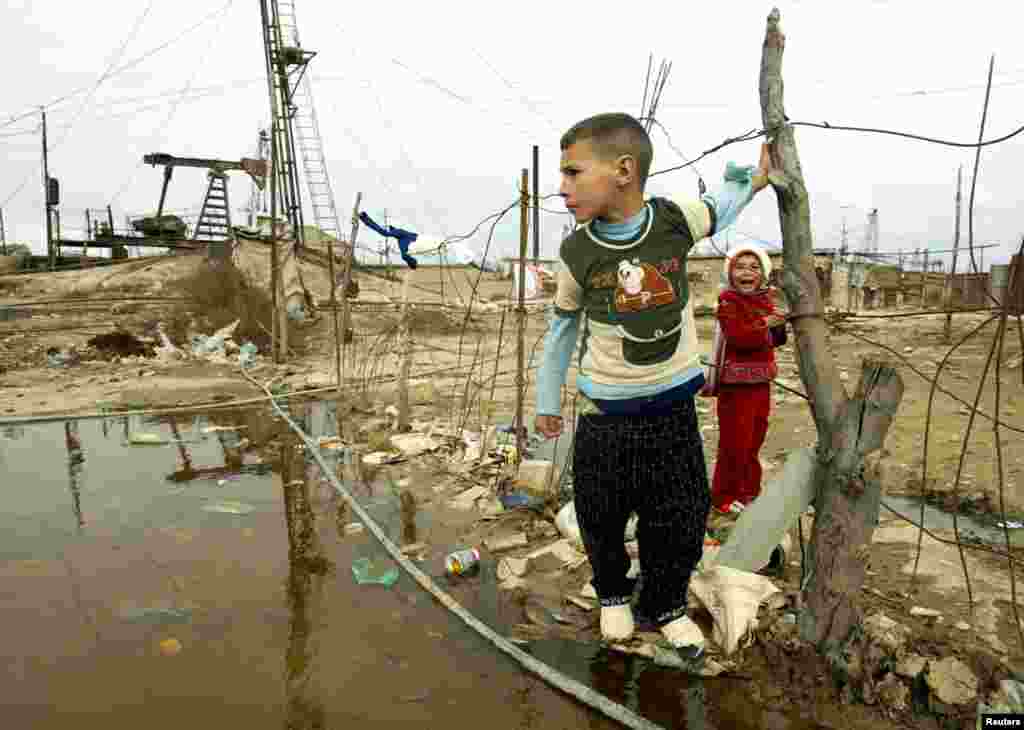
217,295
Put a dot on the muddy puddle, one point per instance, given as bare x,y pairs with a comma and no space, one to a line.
979,529
9,314
157,574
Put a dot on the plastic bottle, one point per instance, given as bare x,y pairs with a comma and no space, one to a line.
462,562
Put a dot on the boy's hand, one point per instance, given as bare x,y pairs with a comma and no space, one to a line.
774,320
764,166
550,426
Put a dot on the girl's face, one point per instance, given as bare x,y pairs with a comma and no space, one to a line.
746,273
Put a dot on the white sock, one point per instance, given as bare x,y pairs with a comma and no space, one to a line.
683,632
617,622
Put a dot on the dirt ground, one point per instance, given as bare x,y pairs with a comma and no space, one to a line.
986,640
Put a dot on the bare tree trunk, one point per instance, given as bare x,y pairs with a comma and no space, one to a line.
848,488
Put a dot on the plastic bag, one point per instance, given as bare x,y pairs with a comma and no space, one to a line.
247,355
732,597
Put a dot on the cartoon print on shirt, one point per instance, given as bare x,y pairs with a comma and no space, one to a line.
641,286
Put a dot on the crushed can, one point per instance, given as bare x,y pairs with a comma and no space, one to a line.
462,562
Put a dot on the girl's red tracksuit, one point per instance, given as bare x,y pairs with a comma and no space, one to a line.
744,395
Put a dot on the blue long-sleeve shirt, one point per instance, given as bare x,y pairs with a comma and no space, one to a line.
727,201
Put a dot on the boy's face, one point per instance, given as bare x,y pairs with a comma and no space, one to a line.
747,273
590,184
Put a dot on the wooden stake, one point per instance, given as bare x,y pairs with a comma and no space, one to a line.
947,299
524,223
346,280
334,315
405,340
275,276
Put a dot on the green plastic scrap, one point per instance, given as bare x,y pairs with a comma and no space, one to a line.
146,439
158,616
368,571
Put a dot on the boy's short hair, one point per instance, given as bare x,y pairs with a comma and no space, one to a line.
612,135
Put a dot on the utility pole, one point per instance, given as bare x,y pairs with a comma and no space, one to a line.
3,235
524,222
56,229
536,205
46,193
88,237
924,280
947,300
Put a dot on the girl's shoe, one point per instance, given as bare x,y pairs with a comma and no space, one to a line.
617,623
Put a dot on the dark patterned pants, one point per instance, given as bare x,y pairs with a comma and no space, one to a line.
653,465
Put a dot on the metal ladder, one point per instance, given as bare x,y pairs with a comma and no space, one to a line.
214,224
309,143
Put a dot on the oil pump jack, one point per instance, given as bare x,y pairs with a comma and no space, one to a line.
214,224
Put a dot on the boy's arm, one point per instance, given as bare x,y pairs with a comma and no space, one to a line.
559,343
718,209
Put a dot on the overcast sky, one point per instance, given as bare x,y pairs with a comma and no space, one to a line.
430,109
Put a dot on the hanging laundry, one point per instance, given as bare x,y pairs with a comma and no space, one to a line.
404,237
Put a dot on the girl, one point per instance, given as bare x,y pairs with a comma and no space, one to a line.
749,328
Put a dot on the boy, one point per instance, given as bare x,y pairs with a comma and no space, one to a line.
637,446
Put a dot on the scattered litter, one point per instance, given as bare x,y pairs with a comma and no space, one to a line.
378,458
229,508
57,358
515,500
473,445
566,523
420,697
147,439
580,603
467,500
534,475
563,550
461,562
413,548
155,615
215,429
221,482
925,612
506,542
890,635
732,597
413,444
952,681
962,625
491,508
247,355
910,666
512,567
354,528
379,572
170,647
1010,525
213,346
